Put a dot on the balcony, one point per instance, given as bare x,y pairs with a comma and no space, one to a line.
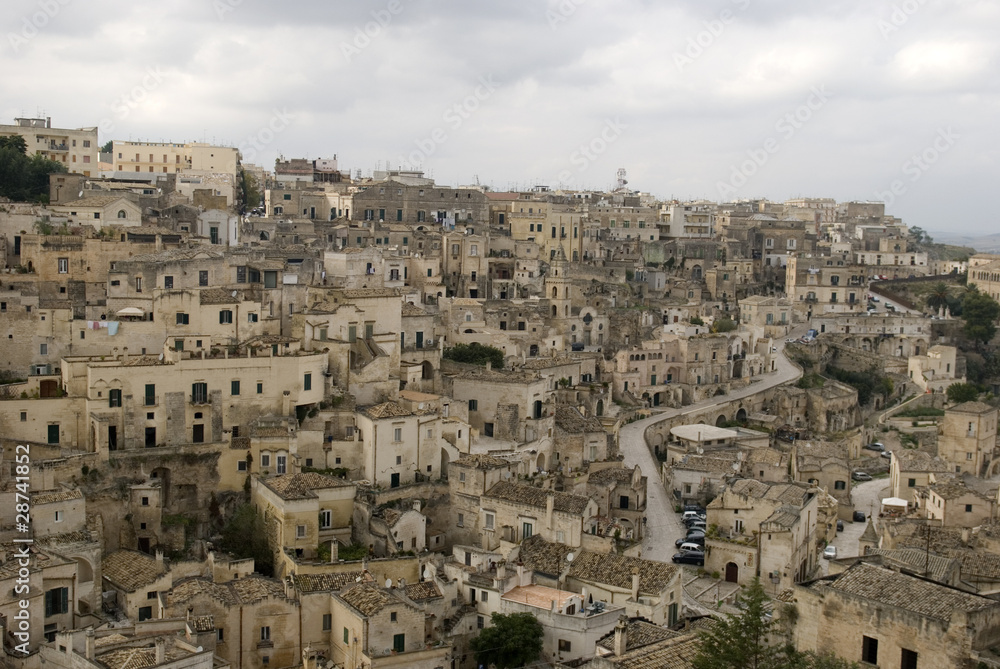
56,147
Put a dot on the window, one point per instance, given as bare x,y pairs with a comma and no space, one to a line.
114,397
24,416
182,319
397,435
149,397
43,349
145,613
399,643
526,530
325,519
461,520
347,635
265,459
63,265
203,277
392,616
300,531
265,633
839,485
199,393
564,646
461,477
234,387
968,508
220,634
738,526
307,382
260,388
869,650
473,405
282,464
53,434
168,282
59,516
490,521
327,622
241,466
252,317
480,622
56,601
911,483
225,316
484,596
144,501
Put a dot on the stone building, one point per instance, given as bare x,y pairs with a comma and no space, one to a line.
968,438
518,511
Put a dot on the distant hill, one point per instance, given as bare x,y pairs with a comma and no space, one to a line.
981,243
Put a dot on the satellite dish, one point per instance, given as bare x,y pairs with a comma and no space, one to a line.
80,194
234,293
357,579
506,475
388,582
569,557
161,357
427,572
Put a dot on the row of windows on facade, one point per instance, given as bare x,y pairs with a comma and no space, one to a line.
199,392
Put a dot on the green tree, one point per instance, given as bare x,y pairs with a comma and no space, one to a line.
920,235
742,640
108,145
980,312
15,142
24,178
513,640
938,297
962,392
725,324
696,320
248,195
245,536
475,354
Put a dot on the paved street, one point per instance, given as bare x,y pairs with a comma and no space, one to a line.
663,525
867,497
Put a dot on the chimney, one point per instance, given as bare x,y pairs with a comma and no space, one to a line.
89,647
161,651
621,636
285,402
520,572
48,121
635,583
489,365
416,505
125,354
550,504
159,557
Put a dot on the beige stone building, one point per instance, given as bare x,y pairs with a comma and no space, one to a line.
911,471
937,370
967,438
514,512
77,149
137,580
919,623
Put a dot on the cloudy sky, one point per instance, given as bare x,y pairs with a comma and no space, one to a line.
716,99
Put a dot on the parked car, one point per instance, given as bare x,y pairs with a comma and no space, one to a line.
692,514
691,520
830,553
690,557
697,525
695,535
791,341
577,346
840,526
858,517
694,507
877,446
886,454
861,476
688,546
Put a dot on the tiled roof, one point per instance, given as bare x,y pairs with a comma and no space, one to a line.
569,419
361,293
482,461
784,516
544,556
367,598
918,461
131,570
677,653
616,571
769,456
520,493
413,310
638,633
972,407
301,486
203,623
612,475
953,490
917,562
980,564
326,582
423,591
256,588
892,588
704,463
385,410
129,658
52,496
189,589
785,493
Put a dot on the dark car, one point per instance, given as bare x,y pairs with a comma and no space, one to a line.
690,557
840,526
693,520
697,539
694,507
695,535
859,516
577,346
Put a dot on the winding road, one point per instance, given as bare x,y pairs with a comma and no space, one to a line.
663,525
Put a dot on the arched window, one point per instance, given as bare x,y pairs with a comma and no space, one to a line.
122,214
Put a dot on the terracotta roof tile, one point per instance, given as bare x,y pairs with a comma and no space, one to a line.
520,493
131,570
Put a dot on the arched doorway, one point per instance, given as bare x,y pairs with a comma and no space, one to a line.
741,415
444,464
600,407
721,420
533,350
540,462
426,370
732,572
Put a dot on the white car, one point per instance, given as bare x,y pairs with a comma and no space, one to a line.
830,553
